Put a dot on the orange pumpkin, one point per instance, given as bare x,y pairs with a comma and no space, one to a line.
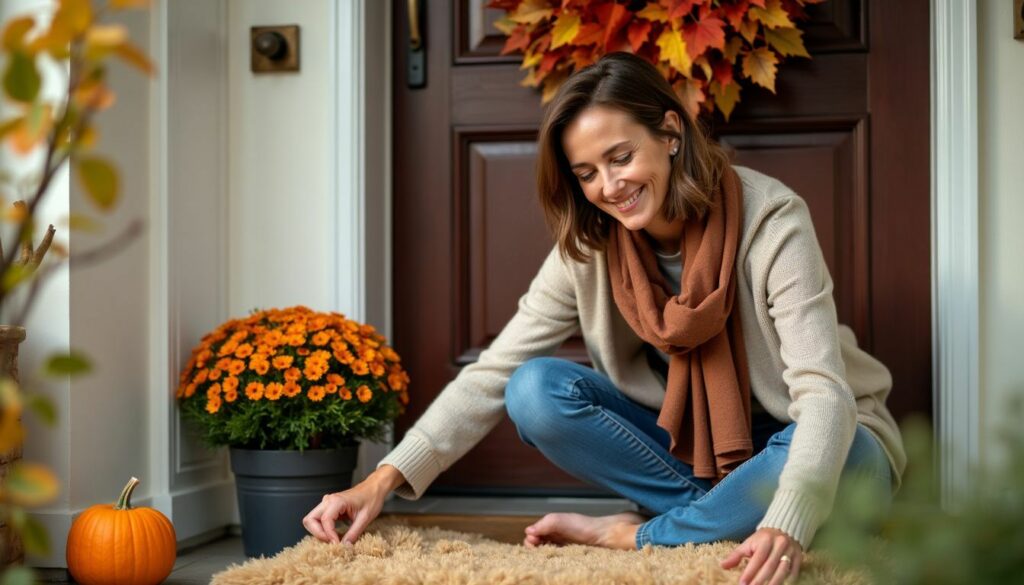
114,544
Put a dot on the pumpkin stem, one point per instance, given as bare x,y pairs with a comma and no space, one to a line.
124,501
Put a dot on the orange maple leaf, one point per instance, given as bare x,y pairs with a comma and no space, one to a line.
759,66
701,35
637,33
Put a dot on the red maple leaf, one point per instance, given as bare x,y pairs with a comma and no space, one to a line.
678,8
518,40
703,34
721,71
637,33
735,11
613,17
590,34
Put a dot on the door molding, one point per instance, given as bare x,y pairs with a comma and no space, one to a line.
955,257
361,182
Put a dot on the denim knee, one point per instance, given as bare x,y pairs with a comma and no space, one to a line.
530,391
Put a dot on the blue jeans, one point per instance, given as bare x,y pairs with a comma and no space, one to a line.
583,424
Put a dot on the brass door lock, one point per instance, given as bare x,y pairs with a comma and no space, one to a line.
274,48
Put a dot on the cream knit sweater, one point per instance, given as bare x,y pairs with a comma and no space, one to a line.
803,366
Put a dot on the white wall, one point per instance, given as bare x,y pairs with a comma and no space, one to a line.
1001,195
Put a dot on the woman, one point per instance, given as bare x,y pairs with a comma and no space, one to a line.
720,374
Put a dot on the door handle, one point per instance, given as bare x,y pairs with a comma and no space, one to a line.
416,63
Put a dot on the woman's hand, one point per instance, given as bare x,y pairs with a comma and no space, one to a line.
359,505
766,548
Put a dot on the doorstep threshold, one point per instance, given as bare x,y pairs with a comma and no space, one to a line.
506,506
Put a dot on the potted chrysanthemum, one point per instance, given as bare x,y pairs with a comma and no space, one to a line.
291,392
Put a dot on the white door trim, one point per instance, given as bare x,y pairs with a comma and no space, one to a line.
955,258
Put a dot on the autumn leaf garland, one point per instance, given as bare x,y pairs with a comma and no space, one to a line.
704,48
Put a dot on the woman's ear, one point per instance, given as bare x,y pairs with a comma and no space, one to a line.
672,123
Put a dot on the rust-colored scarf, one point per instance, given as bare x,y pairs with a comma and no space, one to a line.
707,398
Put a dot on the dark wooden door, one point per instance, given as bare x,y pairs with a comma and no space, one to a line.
847,130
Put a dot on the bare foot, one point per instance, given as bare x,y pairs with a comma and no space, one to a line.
617,531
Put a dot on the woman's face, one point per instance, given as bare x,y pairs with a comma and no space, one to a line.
621,167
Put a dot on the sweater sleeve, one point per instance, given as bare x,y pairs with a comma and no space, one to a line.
800,303
473,403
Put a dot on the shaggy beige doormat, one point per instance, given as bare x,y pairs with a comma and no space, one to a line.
393,554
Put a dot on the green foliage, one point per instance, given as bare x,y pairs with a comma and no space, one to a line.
292,424
977,540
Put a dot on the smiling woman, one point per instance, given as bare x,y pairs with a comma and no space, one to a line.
726,401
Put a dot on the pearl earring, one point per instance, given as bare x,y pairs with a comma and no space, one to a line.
675,149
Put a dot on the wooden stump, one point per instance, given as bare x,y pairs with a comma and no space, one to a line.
12,549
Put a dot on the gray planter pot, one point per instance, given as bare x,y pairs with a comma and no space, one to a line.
276,489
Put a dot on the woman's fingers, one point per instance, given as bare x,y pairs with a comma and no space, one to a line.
762,550
363,517
311,521
737,554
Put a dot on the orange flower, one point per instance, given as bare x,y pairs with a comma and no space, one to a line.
224,363
274,390
273,338
259,364
367,355
389,354
321,338
214,374
352,339
243,351
230,395
190,390
316,393
236,367
292,375
296,340
364,393
330,388
303,351
230,383
345,394
360,368
213,405
335,379
201,376
228,348
292,389
283,362
404,397
377,369
254,391
313,371
213,392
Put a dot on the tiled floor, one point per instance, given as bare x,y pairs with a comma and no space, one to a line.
198,566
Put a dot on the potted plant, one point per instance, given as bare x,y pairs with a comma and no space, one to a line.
291,392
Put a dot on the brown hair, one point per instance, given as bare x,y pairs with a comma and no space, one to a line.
628,83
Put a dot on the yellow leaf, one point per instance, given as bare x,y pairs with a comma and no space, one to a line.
531,59
100,181
105,37
773,15
726,97
748,30
759,66
122,4
787,41
75,15
530,80
15,31
11,433
732,48
673,50
94,96
505,25
80,222
654,11
565,30
532,12
132,55
30,484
